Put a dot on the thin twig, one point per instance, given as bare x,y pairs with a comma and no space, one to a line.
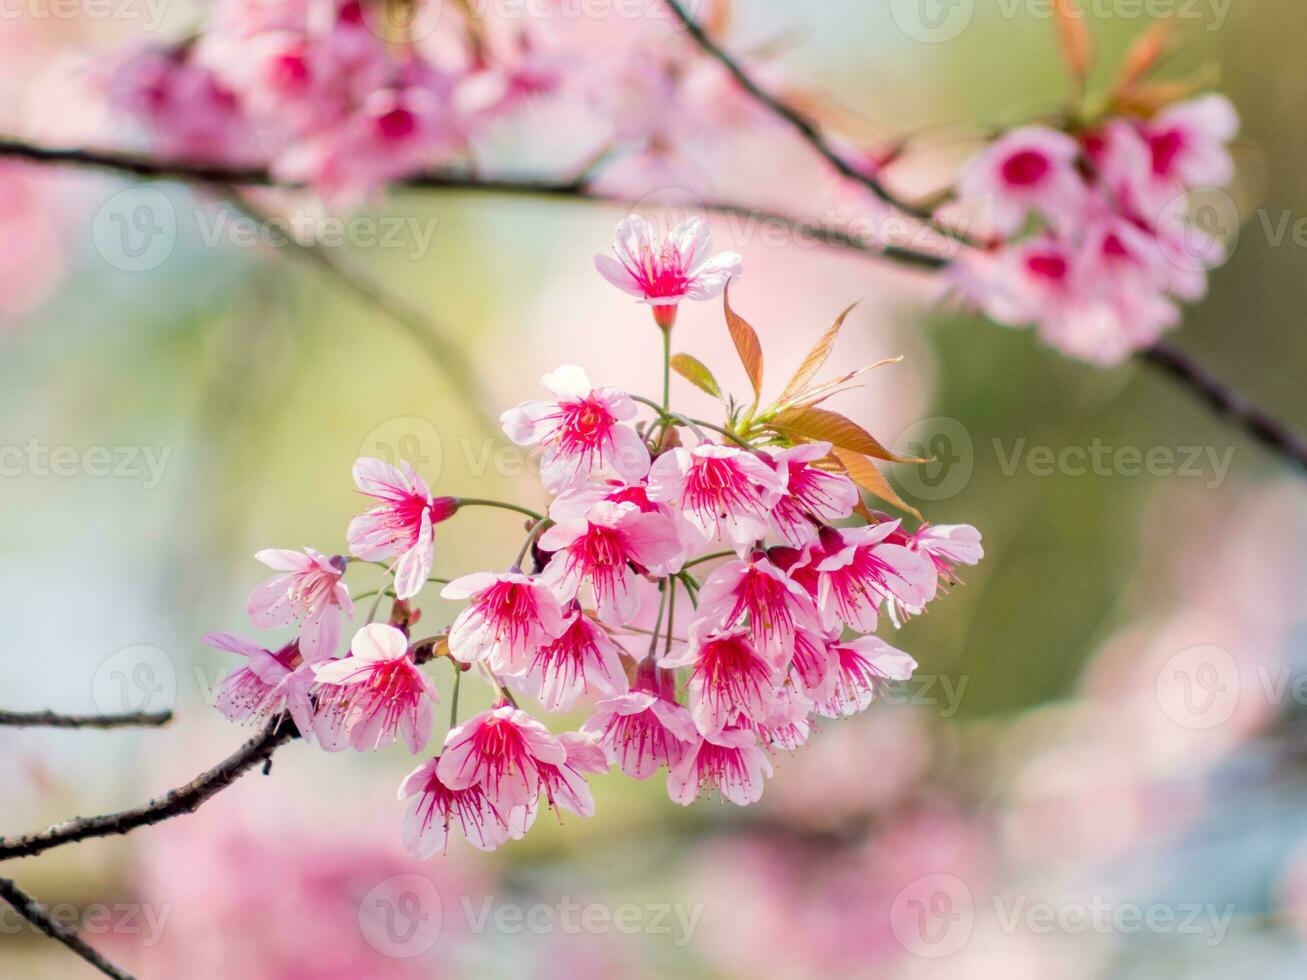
150,168
805,127
184,799
49,719
1227,403
32,910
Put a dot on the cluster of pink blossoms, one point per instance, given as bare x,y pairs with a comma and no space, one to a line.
1094,243
350,95
704,603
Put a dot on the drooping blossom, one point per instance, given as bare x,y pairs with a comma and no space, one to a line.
401,525
772,606
500,750
582,660
308,589
580,432
1029,170
810,494
728,678
726,493
605,549
433,809
729,761
272,681
378,692
947,546
563,784
507,619
646,728
860,568
861,668
662,274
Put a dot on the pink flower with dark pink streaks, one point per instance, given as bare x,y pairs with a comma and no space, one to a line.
501,751
433,809
857,568
646,728
812,496
402,525
508,618
271,682
662,274
308,588
729,761
860,670
755,592
581,431
729,679
378,692
725,493
604,549
583,660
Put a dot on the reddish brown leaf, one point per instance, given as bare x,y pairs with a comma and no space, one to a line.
815,359
865,474
823,425
1145,52
1073,35
746,344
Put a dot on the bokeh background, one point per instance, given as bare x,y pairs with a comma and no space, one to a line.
1099,771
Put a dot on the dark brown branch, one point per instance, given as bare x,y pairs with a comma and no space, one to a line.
184,799
805,127
1227,402
49,719
32,910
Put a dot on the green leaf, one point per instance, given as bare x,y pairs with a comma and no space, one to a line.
694,371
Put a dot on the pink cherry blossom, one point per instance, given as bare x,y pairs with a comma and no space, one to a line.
1029,170
309,589
773,606
508,618
861,668
947,546
729,761
646,728
583,660
401,525
600,550
434,808
580,432
860,568
270,683
378,691
725,493
500,750
729,678
662,274
564,784
810,493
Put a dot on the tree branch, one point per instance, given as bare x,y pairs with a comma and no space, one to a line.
805,127
49,719
1227,402
184,799
32,910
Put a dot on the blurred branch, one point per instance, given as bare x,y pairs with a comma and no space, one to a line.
32,910
579,189
446,355
49,719
184,799
805,127
1227,402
